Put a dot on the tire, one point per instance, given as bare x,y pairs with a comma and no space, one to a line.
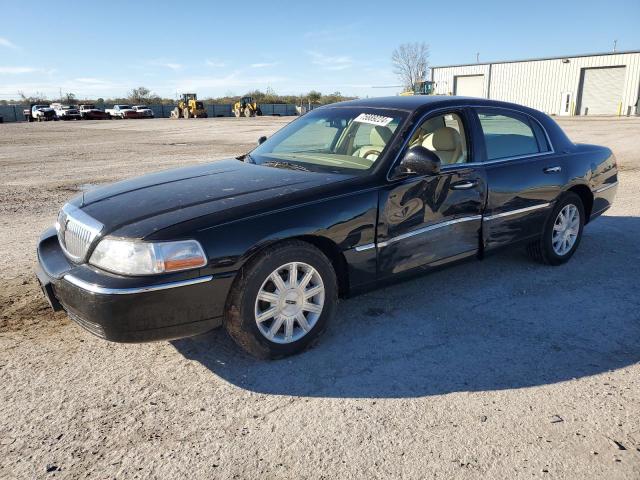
243,306
186,113
247,112
542,250
236,112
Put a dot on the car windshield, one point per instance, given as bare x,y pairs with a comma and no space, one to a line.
122,107
336,139
40,106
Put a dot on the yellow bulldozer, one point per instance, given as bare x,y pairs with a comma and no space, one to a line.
189,107
246,107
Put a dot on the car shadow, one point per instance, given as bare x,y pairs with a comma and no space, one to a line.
502,323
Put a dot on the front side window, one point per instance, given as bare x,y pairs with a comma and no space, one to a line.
445,136
508,136
331,139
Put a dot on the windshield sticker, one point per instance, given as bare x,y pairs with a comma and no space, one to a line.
373,119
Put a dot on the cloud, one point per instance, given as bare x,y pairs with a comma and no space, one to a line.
4,42
170,65
214,63
340,62
263,65
17,70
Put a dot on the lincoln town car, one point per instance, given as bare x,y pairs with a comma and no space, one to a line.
346,198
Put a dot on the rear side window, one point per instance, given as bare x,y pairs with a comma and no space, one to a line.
510,135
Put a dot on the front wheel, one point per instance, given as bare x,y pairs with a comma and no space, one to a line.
562,232
282,300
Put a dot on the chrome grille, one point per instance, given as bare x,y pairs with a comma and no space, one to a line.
76,232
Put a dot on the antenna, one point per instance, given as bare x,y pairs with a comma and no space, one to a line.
478,57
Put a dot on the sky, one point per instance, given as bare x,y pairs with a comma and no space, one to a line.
106,48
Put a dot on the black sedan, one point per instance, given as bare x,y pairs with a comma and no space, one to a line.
341,200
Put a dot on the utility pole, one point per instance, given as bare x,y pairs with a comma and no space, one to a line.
615,44
478,57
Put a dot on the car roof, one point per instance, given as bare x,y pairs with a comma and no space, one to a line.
414,102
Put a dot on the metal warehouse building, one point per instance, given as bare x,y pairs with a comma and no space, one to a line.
593,84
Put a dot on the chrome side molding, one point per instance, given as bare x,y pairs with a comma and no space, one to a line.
606,187
97,289
429,228
515,212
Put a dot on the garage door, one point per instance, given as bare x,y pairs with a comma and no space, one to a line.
601,90
469,85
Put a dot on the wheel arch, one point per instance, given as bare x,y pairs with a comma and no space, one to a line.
586,195
327,246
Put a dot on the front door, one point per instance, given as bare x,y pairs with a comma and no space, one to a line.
430,220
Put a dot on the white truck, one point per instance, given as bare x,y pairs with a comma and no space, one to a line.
39,113
122,111
66,112
143,111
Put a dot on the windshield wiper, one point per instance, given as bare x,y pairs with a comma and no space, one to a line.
289,165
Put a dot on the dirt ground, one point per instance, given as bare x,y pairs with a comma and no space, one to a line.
495,369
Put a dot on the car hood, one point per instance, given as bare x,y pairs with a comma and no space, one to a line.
222,191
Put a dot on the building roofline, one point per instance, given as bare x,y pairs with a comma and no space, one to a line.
622,52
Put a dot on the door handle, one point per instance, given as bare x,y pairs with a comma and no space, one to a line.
463,185
552,169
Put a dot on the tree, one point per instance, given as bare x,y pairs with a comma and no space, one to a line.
410,63
68,98
314,96
140,95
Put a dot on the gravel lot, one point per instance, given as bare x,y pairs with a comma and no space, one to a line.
498,369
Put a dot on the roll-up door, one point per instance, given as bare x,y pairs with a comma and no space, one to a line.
601,90
469,85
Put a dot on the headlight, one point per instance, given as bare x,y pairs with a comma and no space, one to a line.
130,257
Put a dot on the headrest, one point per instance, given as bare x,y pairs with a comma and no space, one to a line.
446,138
380,135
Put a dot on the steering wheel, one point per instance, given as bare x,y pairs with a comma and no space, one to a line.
370,151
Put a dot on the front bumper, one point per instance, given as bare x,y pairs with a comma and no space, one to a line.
131,309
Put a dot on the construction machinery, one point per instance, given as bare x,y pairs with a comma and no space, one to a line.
421,87
246,107
189,107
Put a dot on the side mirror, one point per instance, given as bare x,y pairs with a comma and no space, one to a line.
261,140
418,161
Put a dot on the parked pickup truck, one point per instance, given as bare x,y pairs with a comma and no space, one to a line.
143,111
66,112
90,112
122,111
39,113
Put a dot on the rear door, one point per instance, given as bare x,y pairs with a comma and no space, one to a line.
433,219
524,175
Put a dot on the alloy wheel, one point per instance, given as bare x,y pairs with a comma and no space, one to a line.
289,302
565,229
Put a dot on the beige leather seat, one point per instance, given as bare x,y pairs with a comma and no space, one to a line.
378,139
447,144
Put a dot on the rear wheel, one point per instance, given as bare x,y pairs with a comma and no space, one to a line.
562,232
247,112
282,300
186,113
236,112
